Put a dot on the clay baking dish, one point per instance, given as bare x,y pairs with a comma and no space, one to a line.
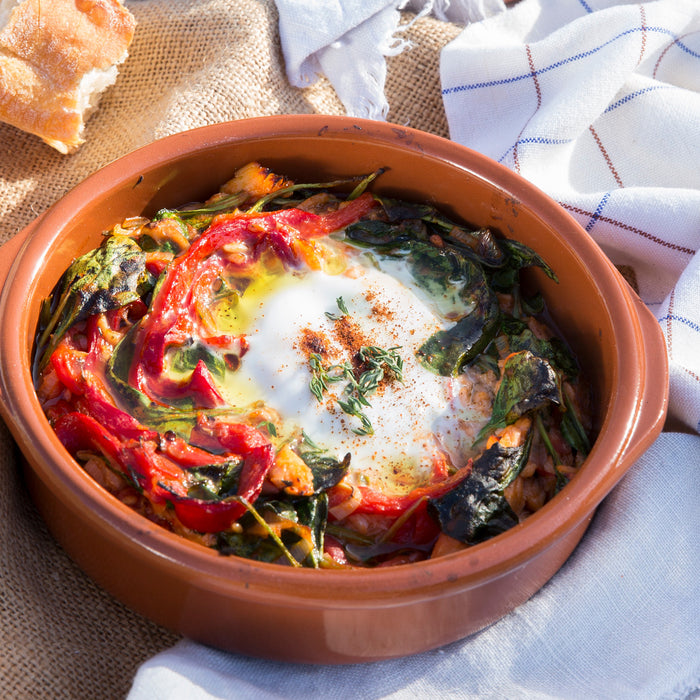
330,616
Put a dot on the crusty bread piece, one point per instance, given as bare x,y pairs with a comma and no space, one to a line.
56,58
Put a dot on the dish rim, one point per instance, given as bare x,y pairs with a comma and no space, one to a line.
624,415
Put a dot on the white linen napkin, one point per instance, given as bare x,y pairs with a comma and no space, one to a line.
348,41
598,103
619,621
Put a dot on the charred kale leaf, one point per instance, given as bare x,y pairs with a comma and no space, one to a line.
460,269
327,471
476,509
106,278
528,383
304,520
452,277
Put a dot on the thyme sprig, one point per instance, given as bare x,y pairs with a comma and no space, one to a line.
343,310
376,357
322,376
353,398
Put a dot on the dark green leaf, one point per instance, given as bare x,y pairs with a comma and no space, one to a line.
382,236
313,512
148,244
554,350
528,383
454,280
475,509
249,547
106,278
186,359
446,352
482,242
269,426
179,420
479,242
519,256
215,481
532,305
327,471
572,430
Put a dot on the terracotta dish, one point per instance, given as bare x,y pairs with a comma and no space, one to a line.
331,616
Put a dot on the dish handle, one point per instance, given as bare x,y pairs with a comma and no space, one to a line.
655,389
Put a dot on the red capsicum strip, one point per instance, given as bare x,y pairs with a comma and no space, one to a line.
160,475
157,463
172,319
77,432
378,502
215,516
419,529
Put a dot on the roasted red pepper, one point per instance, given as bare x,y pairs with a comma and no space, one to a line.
172,319
378,502
158,463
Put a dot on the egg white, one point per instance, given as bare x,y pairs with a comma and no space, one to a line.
412,421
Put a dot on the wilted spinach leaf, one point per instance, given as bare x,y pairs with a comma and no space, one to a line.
528,383
215,481
446,352
310,512
327,471
382,236
247,546
180,420
454,279
105,278
313,512
554,350
571,429
521,256
186,359
518,257
475,509
480,242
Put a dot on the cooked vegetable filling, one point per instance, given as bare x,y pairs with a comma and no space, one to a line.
312,375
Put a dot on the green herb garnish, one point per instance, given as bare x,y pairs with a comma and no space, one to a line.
269,426
354,396
343,310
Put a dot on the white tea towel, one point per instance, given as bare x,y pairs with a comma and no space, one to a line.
598,103
620,621
348,41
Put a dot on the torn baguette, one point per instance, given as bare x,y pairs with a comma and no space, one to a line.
56,59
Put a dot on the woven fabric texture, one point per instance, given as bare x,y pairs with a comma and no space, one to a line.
192,63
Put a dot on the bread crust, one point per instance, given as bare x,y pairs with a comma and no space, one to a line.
46,49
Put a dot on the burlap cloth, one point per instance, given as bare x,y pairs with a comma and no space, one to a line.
192,62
